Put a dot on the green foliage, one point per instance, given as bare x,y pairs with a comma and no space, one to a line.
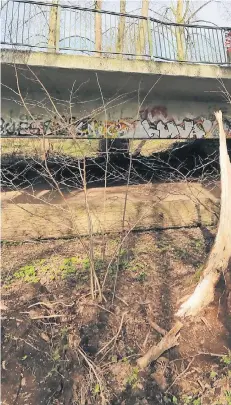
86,264
114,359
198,274
132,380
226,359
187,399
213,375
197,401
64,332
55,355
69,268
228,397
198,245
141,276
96,389
27,274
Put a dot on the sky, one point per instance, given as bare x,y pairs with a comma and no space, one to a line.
217,11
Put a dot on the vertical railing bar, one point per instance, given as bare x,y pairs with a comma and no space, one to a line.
23,23
150,38
202,42
29,17
219,45
64,27
223,46
174,44
169,48
90,26
214,41
193,45
164,41
186,35
199,50
187,43
16,39
12,23
69,31
7,5
209,45
160,42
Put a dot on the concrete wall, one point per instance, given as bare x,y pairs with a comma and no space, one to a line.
117,117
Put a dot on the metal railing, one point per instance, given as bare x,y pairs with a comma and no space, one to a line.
75,30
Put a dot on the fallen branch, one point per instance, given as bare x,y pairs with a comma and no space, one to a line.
154,325
169,340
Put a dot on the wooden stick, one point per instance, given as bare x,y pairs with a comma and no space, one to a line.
168,341
153,324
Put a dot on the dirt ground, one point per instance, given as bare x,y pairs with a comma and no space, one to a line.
61,348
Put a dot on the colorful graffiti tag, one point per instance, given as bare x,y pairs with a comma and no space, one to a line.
158,124
63,126
154,122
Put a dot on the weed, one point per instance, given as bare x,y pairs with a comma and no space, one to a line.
64,332
114,359
96,389
27,274
55,355
213,375
226,359
174,400
187,399
198,273
228,397
68,268
86,264
198,244
141,277
132,380
196,401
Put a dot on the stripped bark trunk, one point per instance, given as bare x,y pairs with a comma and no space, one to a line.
220,254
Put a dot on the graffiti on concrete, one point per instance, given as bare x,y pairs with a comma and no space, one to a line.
158,124
64,126
153,123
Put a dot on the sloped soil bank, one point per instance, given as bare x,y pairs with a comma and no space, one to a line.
60,347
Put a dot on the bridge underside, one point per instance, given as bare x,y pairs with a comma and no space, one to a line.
96,97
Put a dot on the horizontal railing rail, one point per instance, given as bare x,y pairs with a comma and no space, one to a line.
55,27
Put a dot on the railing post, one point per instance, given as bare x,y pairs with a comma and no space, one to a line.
98,28
54,27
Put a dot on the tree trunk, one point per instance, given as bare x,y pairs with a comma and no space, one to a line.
98,28
143,29
220,254
121,28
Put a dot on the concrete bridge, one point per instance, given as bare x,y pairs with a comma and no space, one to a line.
74,72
